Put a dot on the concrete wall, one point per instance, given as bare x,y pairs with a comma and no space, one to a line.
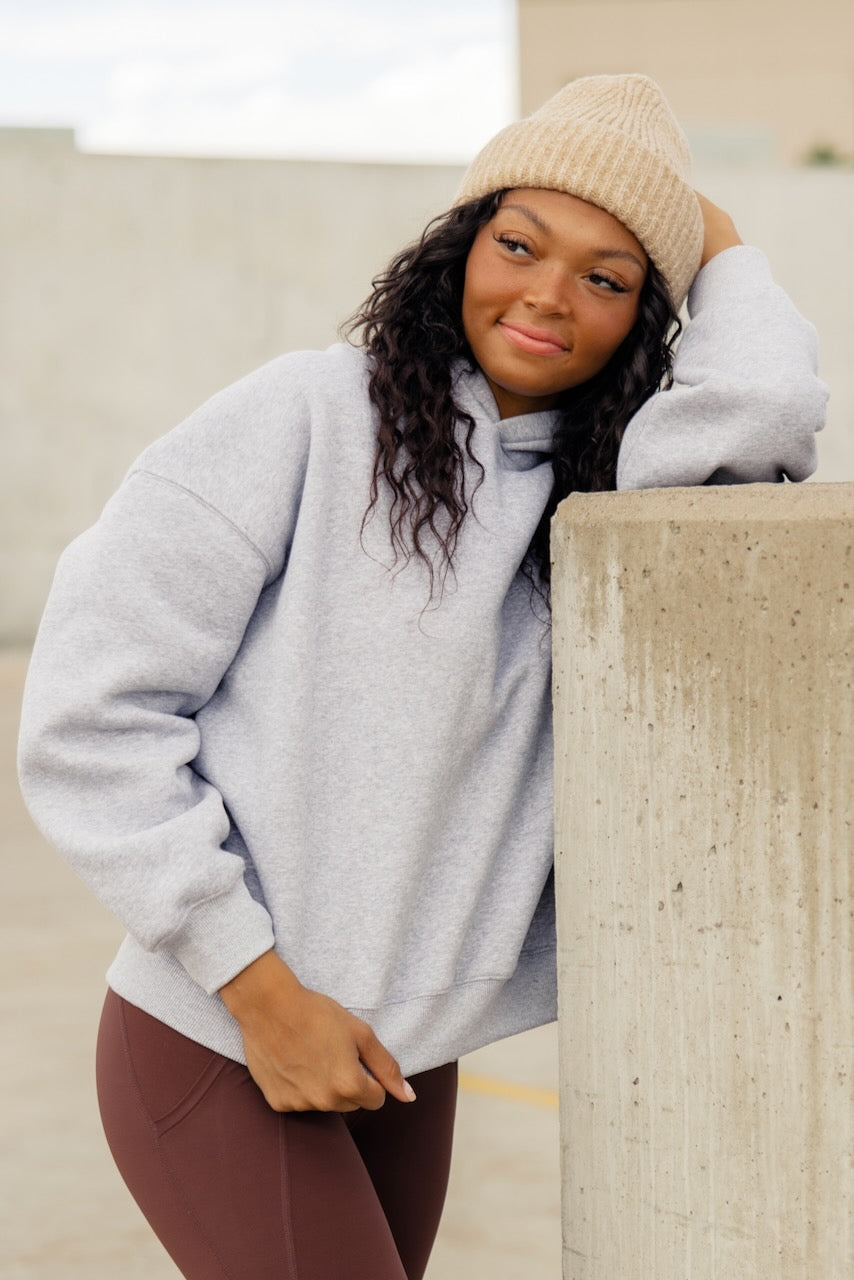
758,79
133,288
703,762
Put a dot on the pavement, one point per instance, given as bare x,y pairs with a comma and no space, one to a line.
65,1213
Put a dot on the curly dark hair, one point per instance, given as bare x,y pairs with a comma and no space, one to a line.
411,325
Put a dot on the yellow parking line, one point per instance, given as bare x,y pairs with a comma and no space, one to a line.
505,1089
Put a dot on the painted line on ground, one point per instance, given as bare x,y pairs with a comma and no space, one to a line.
491,1088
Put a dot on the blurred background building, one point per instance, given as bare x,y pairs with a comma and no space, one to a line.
753,81
133,287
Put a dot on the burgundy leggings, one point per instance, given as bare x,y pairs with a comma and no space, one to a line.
236,1190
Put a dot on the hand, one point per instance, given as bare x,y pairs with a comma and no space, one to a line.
304,1051
719,231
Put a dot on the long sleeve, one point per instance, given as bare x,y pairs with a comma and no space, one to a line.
745,402
147,611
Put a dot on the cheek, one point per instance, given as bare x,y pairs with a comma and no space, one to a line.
604,335
466,315
470,296
615,329
478,282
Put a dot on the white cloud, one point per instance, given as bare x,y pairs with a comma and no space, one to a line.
325,79
97,29
434,114
138,80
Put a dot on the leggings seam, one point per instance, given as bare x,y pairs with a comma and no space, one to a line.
285,1197
174,1183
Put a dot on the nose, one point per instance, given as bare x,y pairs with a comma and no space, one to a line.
549,290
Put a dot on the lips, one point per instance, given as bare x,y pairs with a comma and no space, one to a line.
538,342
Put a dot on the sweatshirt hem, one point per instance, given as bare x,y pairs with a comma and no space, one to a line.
422,1032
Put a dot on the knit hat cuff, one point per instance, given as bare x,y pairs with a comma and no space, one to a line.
602,166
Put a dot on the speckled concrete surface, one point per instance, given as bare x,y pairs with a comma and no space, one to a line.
64,1212
703,743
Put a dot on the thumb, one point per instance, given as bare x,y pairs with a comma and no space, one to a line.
383,1067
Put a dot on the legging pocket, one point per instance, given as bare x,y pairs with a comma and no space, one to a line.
171,1072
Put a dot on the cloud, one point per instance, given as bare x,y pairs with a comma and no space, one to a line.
377,81
433,109
107,29
140,80
99,30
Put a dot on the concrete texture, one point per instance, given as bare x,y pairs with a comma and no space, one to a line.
64,1212
703,738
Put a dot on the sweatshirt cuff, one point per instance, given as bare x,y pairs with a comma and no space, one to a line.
221,936
739,270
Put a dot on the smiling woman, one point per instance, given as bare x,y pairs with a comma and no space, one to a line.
552,289
288,711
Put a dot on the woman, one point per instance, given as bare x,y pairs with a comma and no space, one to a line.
288,711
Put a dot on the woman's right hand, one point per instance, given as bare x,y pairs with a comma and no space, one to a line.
304,1051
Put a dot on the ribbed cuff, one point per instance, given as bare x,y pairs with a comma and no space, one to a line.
733,272
221,936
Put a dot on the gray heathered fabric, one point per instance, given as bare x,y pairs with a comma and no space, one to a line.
216,745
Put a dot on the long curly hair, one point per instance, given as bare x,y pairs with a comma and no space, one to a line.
411,325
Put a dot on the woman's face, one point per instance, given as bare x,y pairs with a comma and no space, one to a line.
552,288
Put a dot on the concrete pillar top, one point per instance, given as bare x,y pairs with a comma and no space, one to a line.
718,503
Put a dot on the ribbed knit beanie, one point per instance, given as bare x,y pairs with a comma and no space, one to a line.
613,141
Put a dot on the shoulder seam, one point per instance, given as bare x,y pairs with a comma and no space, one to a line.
153,475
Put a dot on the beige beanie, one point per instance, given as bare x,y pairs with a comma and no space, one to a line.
613,141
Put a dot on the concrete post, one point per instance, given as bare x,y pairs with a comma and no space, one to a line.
703,743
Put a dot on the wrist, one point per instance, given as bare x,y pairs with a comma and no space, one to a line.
260,982
719,231
721,234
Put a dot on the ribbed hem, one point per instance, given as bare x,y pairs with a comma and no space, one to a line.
421,1033
221,936
606,168
740,270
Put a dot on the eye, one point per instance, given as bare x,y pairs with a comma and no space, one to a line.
606,282
513,244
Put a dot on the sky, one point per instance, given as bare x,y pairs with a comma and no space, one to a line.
385,80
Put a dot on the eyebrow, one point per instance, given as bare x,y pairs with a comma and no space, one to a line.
625,254
531,214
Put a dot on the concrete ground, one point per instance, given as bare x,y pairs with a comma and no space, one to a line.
64,1212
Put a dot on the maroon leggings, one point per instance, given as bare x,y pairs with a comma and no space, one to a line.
236,1190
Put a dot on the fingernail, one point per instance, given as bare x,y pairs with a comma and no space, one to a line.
409,1091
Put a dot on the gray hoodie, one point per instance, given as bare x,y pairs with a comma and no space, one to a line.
245,726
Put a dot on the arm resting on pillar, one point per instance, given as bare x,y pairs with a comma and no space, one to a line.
745,402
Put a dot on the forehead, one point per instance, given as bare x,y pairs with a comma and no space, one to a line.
559,213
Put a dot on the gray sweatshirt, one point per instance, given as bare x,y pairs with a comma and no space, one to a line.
245,726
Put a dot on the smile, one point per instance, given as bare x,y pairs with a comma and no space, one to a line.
538,342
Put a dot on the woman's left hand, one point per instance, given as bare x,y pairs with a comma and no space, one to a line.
719,231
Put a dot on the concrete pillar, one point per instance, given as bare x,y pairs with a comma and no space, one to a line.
703,736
